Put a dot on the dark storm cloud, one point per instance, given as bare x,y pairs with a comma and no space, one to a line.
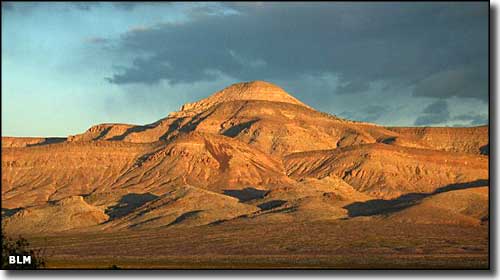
434,113
432,46
464,81
353,87
472,119
369,113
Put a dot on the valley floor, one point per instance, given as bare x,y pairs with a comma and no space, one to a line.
357,243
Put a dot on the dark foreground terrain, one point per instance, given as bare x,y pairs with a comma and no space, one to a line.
335,244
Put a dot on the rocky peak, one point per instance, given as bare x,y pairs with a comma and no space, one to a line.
254,90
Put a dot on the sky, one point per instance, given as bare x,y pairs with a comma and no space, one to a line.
68,66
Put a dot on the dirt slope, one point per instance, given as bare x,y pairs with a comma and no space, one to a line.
67,214
183,206
463,207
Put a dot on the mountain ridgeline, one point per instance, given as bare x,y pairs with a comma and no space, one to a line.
250,151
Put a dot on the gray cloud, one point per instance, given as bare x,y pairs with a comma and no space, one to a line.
353,87
472,119
434,113
370,113
434,46
465,81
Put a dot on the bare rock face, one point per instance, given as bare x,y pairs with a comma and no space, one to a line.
250,151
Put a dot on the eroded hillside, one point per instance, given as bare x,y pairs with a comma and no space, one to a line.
250,152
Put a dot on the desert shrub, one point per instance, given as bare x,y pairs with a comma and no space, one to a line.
114,267
20,247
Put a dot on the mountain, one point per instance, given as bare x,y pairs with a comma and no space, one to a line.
250,152
255,90
386,171
263,115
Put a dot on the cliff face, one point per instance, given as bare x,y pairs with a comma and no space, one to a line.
250,150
